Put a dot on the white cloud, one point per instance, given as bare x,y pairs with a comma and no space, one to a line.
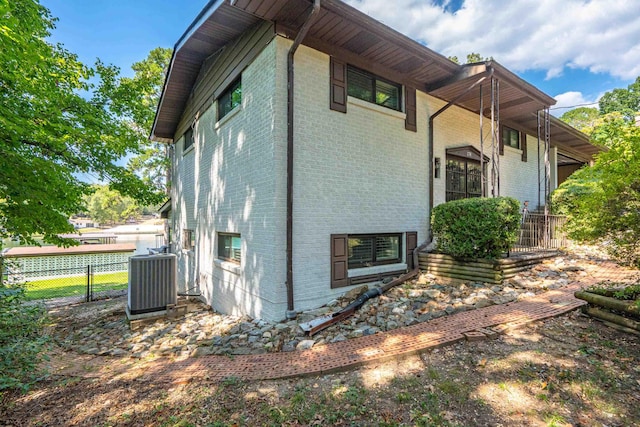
570,100
602,36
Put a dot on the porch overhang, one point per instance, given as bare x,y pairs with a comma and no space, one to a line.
165,209
519,103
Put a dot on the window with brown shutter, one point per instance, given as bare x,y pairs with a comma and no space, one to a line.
523,146
410,122
366,250
339,260
372,88
412,243
338,96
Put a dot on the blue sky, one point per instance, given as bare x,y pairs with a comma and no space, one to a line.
574,50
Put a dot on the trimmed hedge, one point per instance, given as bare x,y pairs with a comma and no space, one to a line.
477,227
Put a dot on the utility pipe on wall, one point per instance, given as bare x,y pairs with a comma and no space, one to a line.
291,313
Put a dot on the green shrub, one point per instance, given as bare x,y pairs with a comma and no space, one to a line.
22,340
476,228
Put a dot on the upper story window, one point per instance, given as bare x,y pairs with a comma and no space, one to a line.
188,139
510,137
230,98
374,89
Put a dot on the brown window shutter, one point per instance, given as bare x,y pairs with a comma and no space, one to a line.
501,141
412,242
339,260
338,95
410,122
523,145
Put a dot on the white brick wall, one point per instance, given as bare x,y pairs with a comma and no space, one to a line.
227,183
359,172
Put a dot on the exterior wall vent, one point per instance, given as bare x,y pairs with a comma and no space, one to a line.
152,284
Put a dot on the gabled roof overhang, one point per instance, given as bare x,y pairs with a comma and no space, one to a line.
343,31
338,30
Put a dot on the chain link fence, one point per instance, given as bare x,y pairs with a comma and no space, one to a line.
71,285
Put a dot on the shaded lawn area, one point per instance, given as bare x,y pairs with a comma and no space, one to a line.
74,285
566,371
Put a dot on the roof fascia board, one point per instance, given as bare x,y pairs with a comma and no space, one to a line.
370,24
504,74
464,73
204,14
202,17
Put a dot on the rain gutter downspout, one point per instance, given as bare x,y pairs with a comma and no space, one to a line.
290,313
432,117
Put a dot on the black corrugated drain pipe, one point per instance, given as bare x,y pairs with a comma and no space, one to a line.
316,325
291,313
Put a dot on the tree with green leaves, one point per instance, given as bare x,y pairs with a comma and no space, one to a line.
472,58
582,118
107,206
144,90
624,101
602,202
59,120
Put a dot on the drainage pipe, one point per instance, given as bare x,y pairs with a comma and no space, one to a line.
291,314
316,325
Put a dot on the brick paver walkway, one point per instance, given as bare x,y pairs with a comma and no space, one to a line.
401,342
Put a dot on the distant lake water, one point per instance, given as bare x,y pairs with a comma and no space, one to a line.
142,241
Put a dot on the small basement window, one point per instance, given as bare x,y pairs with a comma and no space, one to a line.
374,89
188,239
229,247
230,98
374,249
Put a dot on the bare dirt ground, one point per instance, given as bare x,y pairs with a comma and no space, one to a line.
569,370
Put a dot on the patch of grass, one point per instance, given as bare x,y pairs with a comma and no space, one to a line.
586,350
74,285
449,387
22,341
403,397
433,374
429,413
231,381
544,397
555,420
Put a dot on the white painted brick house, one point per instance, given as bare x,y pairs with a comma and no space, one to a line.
265,221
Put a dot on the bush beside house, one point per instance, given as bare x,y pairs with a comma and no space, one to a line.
477,227
22,340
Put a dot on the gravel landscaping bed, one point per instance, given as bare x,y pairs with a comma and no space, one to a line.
101,328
